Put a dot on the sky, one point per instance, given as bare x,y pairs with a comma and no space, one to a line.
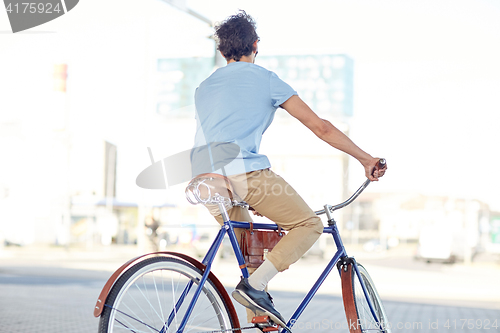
426,73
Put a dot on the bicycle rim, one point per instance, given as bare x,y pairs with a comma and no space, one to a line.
358,313
143,300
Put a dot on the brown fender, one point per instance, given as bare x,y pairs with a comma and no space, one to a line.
107,287
348,296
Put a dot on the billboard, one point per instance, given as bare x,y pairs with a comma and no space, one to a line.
324,82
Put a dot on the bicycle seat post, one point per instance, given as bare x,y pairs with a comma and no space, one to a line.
223,211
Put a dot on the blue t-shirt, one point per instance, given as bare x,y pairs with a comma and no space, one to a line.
236,104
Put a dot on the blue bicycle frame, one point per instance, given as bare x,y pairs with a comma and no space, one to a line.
228,227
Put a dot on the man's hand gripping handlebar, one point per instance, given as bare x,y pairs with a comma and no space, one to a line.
378,166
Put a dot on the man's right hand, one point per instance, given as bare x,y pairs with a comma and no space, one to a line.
373,170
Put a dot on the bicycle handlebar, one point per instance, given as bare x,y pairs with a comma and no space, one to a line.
381,164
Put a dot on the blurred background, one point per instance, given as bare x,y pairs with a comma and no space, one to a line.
84,96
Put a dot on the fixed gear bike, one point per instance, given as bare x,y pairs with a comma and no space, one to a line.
172,292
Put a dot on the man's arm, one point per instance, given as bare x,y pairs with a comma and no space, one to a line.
331,135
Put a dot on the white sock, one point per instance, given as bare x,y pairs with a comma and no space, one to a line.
262,275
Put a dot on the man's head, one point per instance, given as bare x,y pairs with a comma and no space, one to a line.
236,36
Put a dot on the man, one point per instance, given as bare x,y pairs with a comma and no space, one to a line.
236,104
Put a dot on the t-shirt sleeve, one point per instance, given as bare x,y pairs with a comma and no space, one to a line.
194,99
280,90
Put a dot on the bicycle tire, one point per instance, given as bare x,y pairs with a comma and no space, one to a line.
358,314
143,299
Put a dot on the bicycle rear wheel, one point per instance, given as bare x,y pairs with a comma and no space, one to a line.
358,313
143,299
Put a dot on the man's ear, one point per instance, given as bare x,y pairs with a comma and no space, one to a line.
254,46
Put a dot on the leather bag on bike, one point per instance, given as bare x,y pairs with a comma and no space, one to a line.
256,244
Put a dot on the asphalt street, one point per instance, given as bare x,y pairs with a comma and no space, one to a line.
54,290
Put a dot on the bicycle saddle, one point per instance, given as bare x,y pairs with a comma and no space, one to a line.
210,189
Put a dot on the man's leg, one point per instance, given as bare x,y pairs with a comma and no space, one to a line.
274,198
271,196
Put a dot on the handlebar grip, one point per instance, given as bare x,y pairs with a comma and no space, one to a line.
381,163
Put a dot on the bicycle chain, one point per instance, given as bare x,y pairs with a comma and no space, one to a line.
230,329
236,329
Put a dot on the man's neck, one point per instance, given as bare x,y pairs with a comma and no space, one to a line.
249,59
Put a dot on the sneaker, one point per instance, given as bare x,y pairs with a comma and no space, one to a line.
258,301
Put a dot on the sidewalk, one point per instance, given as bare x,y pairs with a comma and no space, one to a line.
58,288
397,276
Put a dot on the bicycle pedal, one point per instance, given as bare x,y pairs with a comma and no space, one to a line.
264,323
261,320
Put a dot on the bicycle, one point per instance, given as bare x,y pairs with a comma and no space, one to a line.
172,292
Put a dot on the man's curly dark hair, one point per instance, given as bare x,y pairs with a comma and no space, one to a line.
235,36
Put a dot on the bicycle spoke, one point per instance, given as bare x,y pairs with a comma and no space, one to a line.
131,311
173,283
200,312
137,303
174,301
137,320
174,310
129,329
164,293
133,315
131,297
147,299
198,325
158,298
